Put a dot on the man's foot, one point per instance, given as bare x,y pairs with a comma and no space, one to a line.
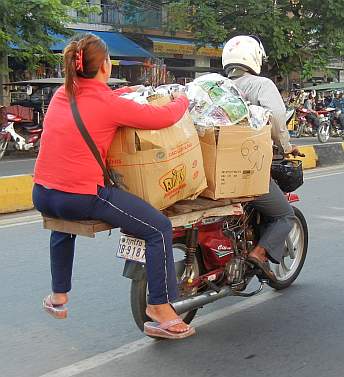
163,314
259,258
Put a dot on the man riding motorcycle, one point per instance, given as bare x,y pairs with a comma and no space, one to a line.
312,116
242,60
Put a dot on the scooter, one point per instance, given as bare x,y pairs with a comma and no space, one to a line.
20,135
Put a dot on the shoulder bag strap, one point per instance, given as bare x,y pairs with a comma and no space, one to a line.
93,148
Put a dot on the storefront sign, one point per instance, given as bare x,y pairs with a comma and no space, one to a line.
185,49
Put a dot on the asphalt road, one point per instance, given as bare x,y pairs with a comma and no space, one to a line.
23,163
296,332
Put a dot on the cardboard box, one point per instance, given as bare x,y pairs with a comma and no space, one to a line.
161,166
237,161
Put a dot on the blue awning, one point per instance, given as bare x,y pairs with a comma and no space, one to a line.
118,44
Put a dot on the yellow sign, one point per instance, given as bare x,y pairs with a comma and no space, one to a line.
185,49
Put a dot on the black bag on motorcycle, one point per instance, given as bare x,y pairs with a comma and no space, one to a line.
288,174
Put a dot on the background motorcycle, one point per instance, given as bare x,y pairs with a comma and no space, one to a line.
330,125
19,134
211,260
302,126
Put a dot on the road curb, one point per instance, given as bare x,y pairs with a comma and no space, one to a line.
15,191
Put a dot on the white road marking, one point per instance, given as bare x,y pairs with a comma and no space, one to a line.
20,220
323,175
19,160
128,349
332,218
320,170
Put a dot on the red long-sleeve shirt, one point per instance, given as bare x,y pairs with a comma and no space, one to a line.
65,162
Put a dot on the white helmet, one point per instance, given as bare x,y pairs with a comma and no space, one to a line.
244,51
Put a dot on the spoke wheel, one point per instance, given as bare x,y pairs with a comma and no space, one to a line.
294,255
3,146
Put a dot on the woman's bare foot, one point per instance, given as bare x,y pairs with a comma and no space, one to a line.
59,298
163,313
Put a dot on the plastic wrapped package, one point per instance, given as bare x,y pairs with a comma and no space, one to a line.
259,116
215,101
168,89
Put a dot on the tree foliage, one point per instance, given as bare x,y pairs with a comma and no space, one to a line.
28,28
297,34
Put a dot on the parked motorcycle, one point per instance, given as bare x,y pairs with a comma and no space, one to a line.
211,258
330,125
18,134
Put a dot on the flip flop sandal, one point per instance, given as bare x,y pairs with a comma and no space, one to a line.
160,330
264,266
57,311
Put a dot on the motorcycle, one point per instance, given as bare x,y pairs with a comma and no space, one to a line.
302,127
211,260
329,125
18,134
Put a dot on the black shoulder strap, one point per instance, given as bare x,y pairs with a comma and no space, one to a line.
93,148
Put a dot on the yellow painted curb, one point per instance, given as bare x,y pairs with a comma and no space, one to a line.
15,193
343,146
310,161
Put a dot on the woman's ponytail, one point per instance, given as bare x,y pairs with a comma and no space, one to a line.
82,57
70,68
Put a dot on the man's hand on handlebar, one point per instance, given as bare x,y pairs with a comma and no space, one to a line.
295,152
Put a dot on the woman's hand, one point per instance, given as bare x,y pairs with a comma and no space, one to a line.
176,95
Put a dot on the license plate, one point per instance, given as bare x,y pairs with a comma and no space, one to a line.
131,248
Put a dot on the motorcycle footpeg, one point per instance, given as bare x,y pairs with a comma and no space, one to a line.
213,286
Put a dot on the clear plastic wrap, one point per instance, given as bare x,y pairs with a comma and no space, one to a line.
215,101
259,116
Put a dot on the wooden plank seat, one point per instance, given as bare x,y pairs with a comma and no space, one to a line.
183,213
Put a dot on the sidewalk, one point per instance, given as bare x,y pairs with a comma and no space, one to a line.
15,191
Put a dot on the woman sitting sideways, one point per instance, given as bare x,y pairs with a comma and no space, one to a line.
69,183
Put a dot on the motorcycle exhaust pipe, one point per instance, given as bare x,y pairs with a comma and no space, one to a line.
195,302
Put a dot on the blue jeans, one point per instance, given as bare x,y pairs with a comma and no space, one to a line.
120,209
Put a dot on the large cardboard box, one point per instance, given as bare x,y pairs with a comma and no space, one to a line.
237,161
161,166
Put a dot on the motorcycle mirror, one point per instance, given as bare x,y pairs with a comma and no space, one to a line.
29,90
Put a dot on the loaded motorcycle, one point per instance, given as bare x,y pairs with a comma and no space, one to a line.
211,243
15,132
211,254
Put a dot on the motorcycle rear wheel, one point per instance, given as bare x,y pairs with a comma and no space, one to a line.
139,289
3,146
295,254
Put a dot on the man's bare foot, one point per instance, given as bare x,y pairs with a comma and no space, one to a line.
163,313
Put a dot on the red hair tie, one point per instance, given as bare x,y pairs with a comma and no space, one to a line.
79,67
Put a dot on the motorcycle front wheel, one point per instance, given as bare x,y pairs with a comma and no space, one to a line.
139,288
299,130
3,146
324,132
294,255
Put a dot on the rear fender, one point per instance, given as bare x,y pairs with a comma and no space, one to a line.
292,197
133,270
